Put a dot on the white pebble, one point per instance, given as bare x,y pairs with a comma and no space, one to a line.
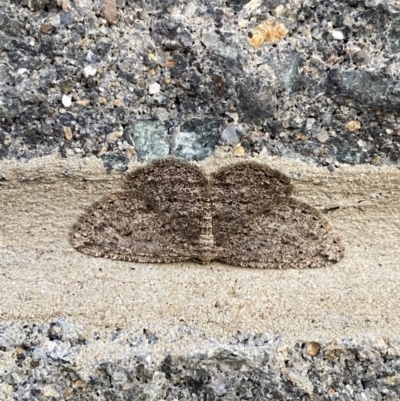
89,71
280,11
322,136
338,35
210,39
66,101
154,88
113,136
249,8
310,123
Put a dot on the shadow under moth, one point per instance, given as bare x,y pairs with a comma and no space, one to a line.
243,214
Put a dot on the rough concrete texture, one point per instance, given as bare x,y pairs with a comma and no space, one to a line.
62,361
195,314
308,79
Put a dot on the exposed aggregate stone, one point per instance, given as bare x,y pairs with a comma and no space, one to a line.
62,361
72,72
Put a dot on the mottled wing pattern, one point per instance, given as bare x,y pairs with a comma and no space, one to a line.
240,192
123,227
243,216
175,189
288,234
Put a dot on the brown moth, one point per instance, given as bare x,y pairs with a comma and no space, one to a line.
242,215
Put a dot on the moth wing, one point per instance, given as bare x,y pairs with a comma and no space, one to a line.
177,190
289,234
240,192
123,227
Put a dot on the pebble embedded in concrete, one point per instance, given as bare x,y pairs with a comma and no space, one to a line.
66,101
110,11
149,138
154,88
196,139
338,35
229,134
113,136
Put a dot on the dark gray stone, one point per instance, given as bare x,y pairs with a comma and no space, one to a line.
285,65
257,99
11,26
366,89
9,111
394,34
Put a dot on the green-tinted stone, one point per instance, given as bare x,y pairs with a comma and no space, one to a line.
288,70
197,139
4,42
394,34
149,138
227,52
115,163
13,109
226,57
345,150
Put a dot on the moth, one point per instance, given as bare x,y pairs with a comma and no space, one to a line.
243,215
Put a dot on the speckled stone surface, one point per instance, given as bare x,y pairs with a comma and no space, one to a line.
323,87
62,361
